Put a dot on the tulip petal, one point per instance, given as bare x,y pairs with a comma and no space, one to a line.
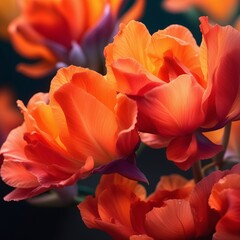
119,209
130,42
138,212
172,221
24,193
173,108
135,12
184,151
126,167
154,141
90,134
75,9
223,53
128,138
176,6
89,211
28,42
17,175
117,179
132,78
207,218
174,52
97,38
95,84
172,187
37,70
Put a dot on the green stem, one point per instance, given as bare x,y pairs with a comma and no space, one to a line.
218,159
197,171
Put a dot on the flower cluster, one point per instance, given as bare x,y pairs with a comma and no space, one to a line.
117,89
178,209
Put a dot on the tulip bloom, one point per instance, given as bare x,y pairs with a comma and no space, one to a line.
225,199
181,89
57,33
130,214
220,11
211,208
216,205
82,127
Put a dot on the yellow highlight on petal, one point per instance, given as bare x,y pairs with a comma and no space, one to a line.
45,120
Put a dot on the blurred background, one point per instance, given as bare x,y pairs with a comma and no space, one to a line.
21,220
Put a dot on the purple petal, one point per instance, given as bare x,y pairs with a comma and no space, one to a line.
77,56
124,166
97,38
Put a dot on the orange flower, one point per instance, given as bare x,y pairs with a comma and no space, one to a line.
215,204
130,215
225,199
220,11
81,128
9,116
64,32
211,208
181,89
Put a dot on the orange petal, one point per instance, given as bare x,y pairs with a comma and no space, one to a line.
132,78
220,12
154,141
13,171
135,12
174,108
46,19
116,179
173,182
206,218
119,210
172,46
75,14
90,214
225,199
16,175
223,54
94,10
176,6
128,138
89,211
92,126
28,42
130,42
217,198
172,221
36,70
185,150
96,85
172,187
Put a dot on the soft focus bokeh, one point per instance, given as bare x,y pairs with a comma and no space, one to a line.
21,220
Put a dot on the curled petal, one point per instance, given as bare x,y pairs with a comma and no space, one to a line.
130,42
221,98
128,137
184,151
126,167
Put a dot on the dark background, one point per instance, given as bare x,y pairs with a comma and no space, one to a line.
22,221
